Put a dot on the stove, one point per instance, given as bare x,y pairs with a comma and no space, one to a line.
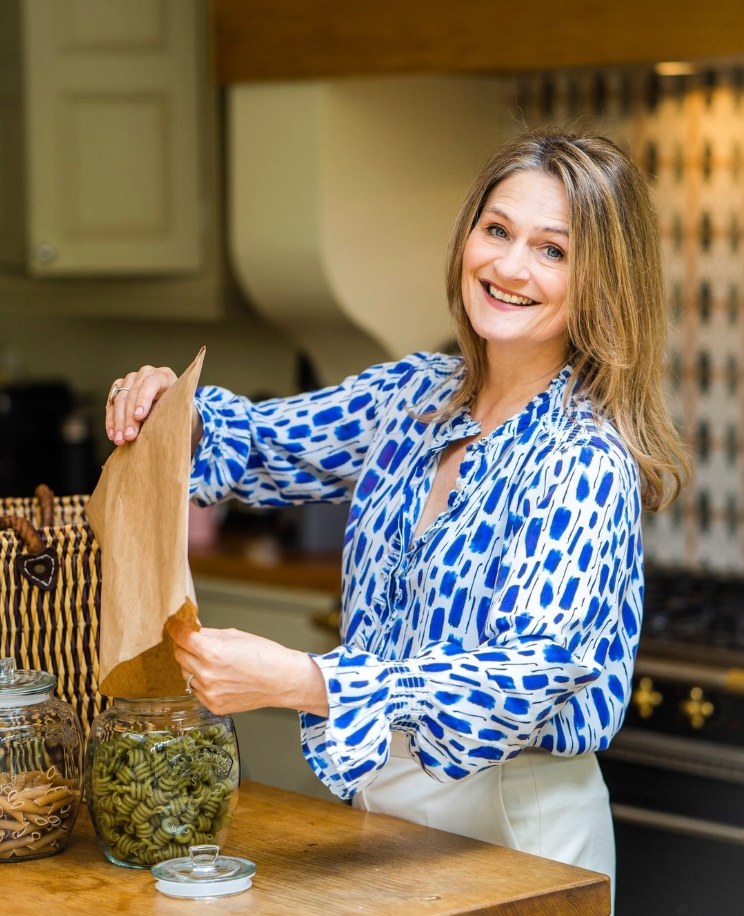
675,770
694,616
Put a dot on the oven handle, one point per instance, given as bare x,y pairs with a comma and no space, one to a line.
730,680
677,823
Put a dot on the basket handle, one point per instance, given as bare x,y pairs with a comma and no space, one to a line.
45,497
38,564
25,530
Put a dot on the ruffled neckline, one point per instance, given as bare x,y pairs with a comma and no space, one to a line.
462,425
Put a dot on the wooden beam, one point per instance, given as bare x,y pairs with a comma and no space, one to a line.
310,39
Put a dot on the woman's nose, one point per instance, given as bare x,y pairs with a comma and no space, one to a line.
513,262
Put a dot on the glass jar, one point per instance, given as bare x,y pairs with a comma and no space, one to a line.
41,765
162,775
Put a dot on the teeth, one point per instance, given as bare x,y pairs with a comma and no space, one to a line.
506,297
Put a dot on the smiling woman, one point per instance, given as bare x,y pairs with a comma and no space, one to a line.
515,273
616,330
493,562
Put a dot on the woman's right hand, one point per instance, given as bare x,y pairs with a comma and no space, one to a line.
131,398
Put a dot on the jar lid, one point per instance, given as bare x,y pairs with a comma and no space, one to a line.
19,687
203,873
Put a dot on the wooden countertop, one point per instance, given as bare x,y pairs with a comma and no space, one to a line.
263,561
316,857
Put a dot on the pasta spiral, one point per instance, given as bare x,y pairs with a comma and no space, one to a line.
153,794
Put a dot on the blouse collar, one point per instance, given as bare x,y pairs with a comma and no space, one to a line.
462,425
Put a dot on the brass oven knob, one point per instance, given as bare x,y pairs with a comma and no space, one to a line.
645,698
697,708
328,620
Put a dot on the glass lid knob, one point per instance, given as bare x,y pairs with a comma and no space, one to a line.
21,687
204,859
7,670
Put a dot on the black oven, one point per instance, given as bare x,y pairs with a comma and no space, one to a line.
675,771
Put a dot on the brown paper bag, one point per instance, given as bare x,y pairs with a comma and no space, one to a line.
139,513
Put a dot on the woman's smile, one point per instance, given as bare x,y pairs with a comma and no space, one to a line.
501,296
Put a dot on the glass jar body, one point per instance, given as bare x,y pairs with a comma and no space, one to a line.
41,778
161,775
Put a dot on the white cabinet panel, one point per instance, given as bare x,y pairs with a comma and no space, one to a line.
94,24
113,108
128,139
269,739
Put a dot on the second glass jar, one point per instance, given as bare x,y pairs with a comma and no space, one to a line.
161,775
41,756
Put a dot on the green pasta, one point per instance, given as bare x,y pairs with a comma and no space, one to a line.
152,795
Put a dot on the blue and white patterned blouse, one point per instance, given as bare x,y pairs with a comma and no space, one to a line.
512,622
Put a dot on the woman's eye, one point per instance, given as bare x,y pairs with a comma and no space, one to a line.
554,253
497,231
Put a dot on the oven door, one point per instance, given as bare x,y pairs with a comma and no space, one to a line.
678,808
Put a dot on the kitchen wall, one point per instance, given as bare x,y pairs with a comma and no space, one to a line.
687,133
244,352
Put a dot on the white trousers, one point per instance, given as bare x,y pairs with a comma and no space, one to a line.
539,803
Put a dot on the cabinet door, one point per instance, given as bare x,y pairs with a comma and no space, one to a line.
269,739
112,135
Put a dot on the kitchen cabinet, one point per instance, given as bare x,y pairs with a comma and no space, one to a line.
269,739
108,157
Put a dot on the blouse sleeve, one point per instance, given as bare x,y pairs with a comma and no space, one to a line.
554,666
307,448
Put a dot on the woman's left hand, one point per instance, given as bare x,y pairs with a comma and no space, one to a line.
235,671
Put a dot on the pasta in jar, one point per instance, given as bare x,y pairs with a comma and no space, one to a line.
41,745
162,776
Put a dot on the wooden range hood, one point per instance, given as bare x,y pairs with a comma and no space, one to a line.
259,40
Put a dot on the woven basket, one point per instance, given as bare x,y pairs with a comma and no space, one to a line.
50,594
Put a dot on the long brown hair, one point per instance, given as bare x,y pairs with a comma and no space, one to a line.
616,303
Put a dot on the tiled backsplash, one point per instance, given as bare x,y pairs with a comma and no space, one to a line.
687,134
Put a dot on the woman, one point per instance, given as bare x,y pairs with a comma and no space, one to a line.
493,576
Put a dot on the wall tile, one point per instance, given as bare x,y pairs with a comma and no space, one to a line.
687,134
